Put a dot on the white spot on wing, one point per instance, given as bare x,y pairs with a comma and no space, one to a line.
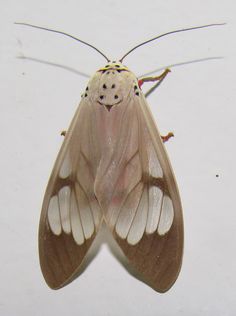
66,168
64,205
139,222
77,230
54,215
154,210
128,210
167,216
85,212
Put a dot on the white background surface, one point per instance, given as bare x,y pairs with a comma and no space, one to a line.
196,101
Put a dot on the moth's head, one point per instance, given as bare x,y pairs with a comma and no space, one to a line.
114,65
112,84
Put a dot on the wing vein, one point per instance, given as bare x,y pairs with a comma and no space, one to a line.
88,163
85,194
148,203
136,209
126,164
161,209
127,196
77,204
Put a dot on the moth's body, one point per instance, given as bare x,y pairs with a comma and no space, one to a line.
112,167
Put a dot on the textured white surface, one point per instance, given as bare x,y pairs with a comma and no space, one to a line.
167,216
64,204
77,229
54,215
196,101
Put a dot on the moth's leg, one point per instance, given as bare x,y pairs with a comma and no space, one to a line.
159,80
167,137
63,133
152,79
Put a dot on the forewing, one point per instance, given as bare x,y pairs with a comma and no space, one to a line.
70,214
145,211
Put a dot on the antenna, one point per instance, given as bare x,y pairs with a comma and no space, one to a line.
168,33
66,34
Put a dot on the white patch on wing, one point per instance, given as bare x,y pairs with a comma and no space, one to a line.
85,212
155,203
139,223
77,230
54,215
167,216
66,167
128,211
64,205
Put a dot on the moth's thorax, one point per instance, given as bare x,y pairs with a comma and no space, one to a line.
111,85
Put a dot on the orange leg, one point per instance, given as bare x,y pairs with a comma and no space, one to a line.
167,137
152,79
159,78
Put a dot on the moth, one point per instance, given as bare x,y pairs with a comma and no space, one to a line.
113,168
